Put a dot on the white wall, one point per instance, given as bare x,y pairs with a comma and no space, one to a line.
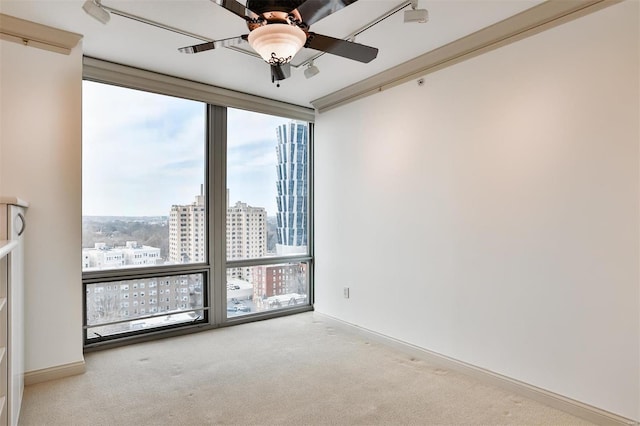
40,138
492,214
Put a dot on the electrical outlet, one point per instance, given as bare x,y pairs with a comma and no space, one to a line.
346,292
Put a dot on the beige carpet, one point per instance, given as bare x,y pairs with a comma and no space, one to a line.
296,370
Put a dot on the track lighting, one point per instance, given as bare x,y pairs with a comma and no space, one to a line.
311,70
415,14
94,9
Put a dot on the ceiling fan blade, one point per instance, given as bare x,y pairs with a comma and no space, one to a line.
216,44
238,9
346,49
314,10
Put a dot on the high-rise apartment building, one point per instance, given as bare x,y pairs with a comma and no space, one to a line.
246,236
292,197
187,232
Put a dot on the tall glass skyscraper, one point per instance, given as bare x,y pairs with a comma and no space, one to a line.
292,169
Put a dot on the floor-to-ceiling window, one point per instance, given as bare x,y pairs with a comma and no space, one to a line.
267,212
195,215
144,222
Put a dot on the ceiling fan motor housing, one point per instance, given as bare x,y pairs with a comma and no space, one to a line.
275,12
262,6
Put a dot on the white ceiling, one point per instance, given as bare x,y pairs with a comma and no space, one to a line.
136,44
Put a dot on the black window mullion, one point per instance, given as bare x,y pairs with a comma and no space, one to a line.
218,210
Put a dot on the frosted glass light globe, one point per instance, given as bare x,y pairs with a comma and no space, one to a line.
277,42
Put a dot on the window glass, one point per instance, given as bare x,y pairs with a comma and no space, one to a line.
145,207
143,179
266,288
267,185
110,310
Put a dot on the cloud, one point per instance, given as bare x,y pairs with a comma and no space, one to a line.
143,152
251,175
251,128
182,165
140,151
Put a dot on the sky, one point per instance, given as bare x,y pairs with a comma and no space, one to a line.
144,152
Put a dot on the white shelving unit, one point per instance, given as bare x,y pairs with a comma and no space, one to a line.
12,227
6,248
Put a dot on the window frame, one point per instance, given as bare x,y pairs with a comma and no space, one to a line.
214,269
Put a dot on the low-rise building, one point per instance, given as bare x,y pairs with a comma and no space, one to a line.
102,256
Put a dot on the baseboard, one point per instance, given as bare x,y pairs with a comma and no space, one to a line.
52,373
551,399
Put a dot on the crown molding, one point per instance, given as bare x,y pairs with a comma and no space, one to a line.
525,24
37,35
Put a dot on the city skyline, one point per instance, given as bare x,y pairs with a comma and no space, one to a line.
164,141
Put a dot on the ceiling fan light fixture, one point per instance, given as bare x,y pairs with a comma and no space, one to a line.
277,43
95,10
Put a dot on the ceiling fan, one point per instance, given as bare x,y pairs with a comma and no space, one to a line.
278,29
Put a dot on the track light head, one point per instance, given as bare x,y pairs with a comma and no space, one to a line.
311,70
95,10
416,15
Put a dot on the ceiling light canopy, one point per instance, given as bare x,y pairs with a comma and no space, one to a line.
277,43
